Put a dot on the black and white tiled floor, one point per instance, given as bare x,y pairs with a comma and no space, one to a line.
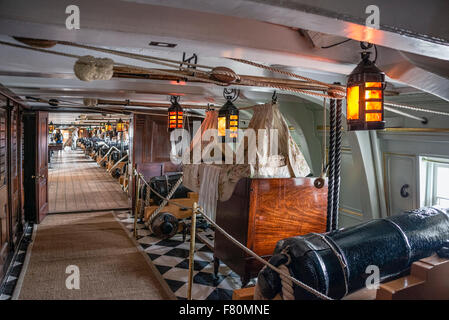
171,259
13,273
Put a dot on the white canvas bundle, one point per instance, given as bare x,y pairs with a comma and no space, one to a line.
88,68
217,181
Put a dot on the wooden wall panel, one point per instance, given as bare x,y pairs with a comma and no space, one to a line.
151,144
11,184
281,208
261,212
160,140
14,154
4,212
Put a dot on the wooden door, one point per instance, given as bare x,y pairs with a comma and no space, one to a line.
41,175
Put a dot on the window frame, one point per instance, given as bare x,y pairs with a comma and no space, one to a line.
431,167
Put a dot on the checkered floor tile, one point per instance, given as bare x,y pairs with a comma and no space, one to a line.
171,259
13,273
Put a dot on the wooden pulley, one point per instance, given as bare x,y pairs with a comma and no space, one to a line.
224,74
37,43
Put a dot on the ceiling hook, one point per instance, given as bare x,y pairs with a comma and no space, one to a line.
274,97
174,99
231,94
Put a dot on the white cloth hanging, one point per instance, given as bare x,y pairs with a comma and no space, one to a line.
208,195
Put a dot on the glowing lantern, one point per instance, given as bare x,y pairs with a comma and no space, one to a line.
120,126
108,127
364,96
228,118
175,115
51,127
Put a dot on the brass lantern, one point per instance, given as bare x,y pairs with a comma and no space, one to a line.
228,118
51,127
365,96
175,115
120,125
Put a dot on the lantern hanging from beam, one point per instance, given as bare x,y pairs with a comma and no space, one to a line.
175,115
108,127
51,127
228,117
365,96
120,125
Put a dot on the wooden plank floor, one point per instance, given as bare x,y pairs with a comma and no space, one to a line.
77,183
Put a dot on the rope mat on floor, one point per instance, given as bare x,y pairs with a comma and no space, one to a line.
110,265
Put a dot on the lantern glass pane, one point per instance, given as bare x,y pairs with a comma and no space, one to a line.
373,94
352,103
373,105
373,84
221,126
234,117
373,117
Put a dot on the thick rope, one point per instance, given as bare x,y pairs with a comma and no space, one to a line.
163,204
290,74
337,164
174,73
68,55
324,134
134,55
131,56
330,188
162,197
403,106
263,261
150,71
287,88
288,292
335,91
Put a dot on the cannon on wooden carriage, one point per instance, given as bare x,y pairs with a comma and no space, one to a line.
167,222
336,263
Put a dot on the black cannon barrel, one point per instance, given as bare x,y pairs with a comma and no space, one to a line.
336,263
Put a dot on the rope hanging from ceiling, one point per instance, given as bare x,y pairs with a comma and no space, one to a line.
100,68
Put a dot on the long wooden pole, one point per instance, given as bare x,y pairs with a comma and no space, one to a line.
192,250
137,203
